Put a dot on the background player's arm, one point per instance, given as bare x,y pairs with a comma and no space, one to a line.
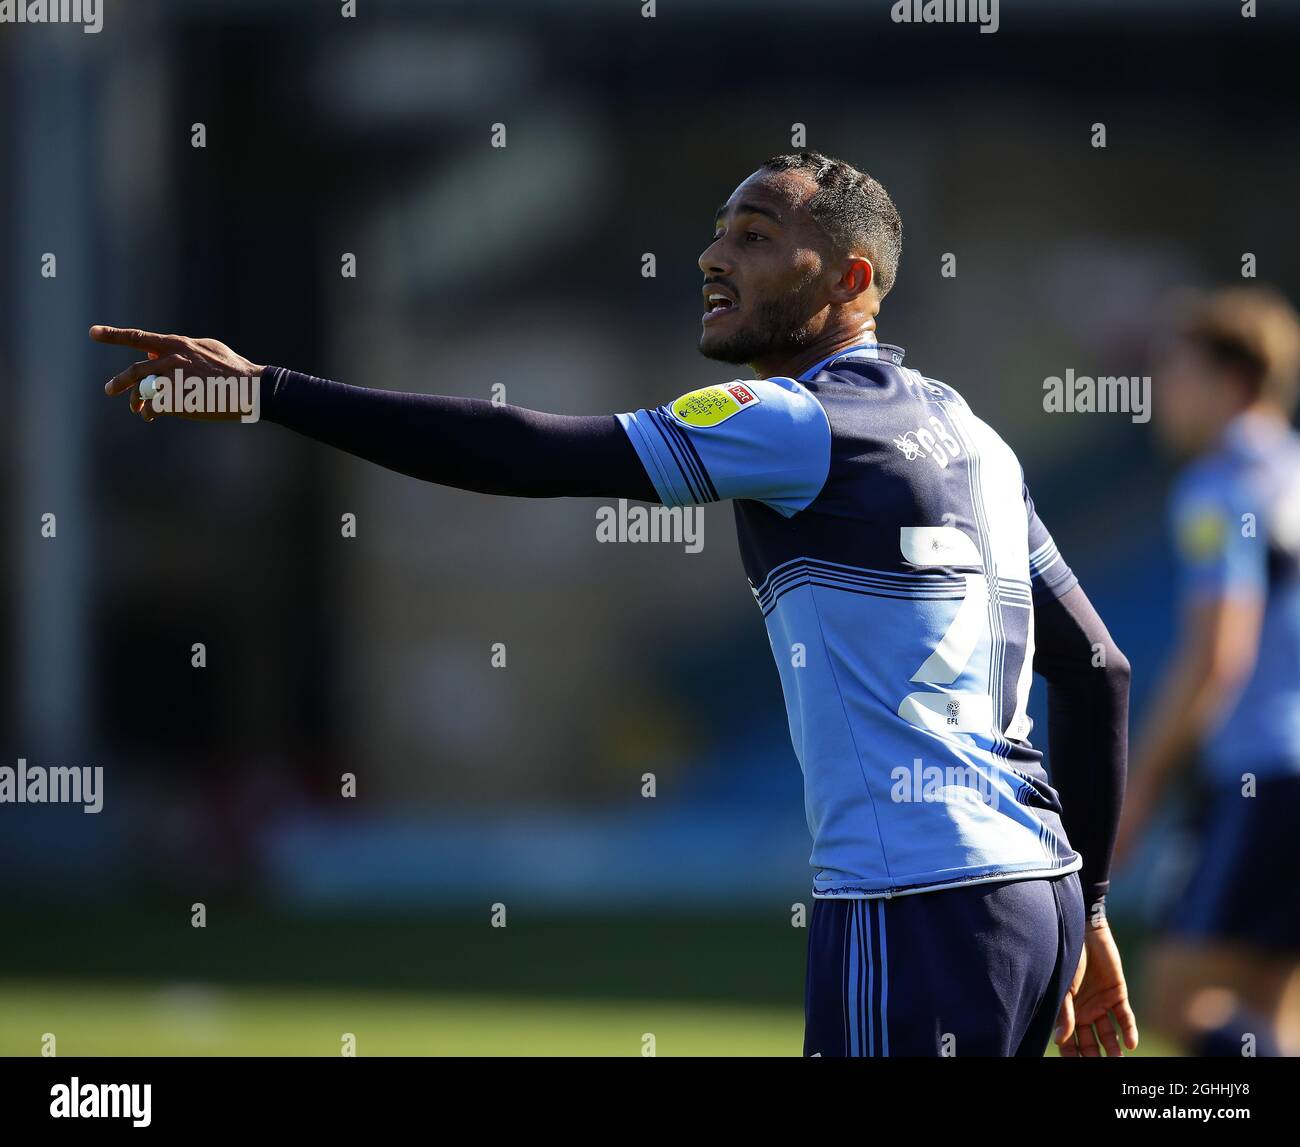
1225,580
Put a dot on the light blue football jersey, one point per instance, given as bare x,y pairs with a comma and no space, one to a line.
892,547
1236,523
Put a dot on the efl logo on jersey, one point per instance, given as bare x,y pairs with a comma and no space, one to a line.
714,404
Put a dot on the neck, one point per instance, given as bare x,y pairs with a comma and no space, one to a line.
1261,412
1265,408
793,364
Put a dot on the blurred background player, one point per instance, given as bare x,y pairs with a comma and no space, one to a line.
1226,967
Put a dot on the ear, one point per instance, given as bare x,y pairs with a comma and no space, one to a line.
855,278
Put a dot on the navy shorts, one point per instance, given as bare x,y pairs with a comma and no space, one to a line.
1242,888
973,971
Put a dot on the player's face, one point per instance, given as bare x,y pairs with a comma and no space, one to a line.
1194,399
765,268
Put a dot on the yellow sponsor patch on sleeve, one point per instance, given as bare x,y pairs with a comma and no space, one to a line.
713,404
1202,534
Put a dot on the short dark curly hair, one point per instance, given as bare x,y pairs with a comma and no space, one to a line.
853,209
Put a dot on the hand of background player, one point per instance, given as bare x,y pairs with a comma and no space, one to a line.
1097,996
203,358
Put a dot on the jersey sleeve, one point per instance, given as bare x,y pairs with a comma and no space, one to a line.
767,440
1049,576
1218,537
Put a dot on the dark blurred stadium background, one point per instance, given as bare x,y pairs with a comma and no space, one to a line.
520,266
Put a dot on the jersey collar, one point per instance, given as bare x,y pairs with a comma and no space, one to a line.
884,351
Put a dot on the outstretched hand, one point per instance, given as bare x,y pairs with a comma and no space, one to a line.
205,358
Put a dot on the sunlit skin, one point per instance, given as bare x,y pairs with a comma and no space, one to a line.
796,300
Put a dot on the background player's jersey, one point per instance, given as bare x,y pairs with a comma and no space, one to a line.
1236,520
894,552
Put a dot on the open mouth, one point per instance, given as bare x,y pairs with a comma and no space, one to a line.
717,305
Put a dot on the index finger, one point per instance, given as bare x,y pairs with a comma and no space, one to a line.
129,336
